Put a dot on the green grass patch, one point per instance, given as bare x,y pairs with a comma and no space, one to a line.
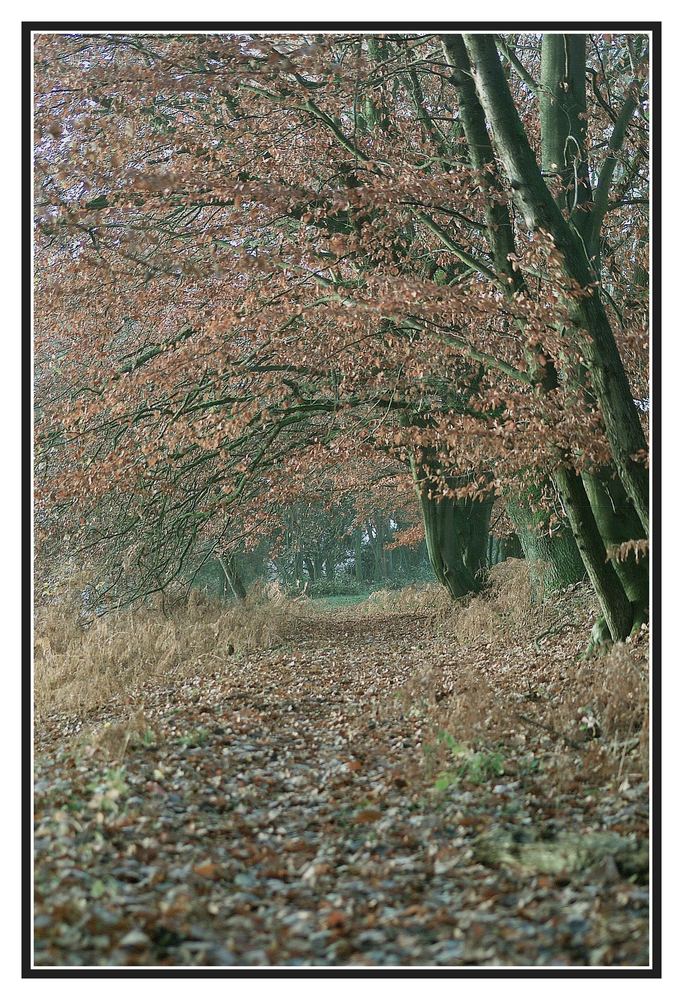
334,601
474,766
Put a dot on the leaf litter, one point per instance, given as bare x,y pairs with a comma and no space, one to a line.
332,803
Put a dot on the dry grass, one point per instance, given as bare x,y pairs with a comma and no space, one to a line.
113,739
77,669
609,697
514,664
503,608
510,587
517,666
429,598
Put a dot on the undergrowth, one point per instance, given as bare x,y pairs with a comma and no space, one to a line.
416,598
513,665
517,667
504,602
82,666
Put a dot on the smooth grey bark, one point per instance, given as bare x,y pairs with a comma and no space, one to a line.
618,523
555,560
310,568
615,605
562,106
456,532
358,554
378,549
500,549
562,101
482,158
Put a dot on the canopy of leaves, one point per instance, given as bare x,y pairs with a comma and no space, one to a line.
262,262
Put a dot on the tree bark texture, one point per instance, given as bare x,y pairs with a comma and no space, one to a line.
541,212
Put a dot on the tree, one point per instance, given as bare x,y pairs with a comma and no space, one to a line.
575,233
316,251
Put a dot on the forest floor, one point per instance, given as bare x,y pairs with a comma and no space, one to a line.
368,793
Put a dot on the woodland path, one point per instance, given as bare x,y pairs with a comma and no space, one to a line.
280,813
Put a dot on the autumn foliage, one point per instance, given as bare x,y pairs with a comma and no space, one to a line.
270,267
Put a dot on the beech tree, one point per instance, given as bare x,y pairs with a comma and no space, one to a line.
262,259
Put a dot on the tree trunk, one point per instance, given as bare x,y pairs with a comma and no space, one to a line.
540,212
618,523
614,603
562,106
380,564
500,549
482,158
358,554
456,533
553,556
233,576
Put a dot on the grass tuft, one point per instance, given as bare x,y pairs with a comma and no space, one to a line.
78,668
517,667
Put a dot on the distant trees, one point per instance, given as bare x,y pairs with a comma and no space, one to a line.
268,260
331,548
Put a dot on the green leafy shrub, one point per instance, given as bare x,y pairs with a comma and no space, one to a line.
473,766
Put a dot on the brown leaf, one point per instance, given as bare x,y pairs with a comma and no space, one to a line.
368,815
335,919
207,869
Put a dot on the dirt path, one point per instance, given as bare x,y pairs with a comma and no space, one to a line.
280,813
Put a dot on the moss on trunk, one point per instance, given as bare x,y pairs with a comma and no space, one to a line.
614,603
553,556
618,522
499,549
456,533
